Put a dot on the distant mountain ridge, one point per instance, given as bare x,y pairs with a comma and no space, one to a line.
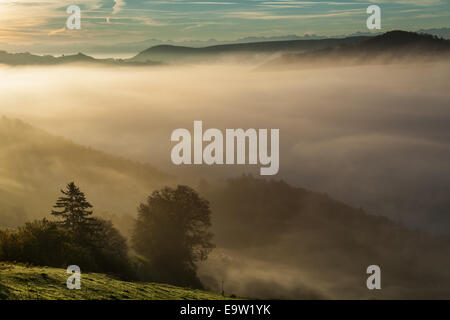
170,53
390,47
163,54
130,48
22,59
406,40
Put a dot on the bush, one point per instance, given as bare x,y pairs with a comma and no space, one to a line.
110,248
39,243
46,243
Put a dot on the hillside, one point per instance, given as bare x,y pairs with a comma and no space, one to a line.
42,283
312,246
390,47
35,165
396,44
171,53
273,240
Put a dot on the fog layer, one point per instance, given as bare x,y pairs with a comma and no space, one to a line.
375,137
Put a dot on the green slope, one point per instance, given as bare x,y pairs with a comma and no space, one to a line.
42,283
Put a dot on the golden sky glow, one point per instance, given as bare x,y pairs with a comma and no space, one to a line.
27,22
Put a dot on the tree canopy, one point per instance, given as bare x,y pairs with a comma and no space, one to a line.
172,231
74,209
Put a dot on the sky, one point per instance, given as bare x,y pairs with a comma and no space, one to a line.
27,22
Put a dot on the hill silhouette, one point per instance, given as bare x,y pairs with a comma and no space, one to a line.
401,40
35,162
27,59
171,53
391,47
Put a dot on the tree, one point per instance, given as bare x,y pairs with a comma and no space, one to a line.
172,232
109,248
103,247
74,210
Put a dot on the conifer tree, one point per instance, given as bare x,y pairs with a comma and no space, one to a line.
74,209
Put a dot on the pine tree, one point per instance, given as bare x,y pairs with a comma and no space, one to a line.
75,209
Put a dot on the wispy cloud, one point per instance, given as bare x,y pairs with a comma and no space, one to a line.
57,31
117,20
262,15
411,2
200,25
118,5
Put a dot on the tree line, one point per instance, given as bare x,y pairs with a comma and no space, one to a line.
170,236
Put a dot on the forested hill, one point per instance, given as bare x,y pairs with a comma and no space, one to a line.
170,53
35,165
315,246
400,42
304,243
390,47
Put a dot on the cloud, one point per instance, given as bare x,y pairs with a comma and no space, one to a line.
53,32
410,2
193,2
27,22
377,144
200,25
21,20
151,22
262,15
118,5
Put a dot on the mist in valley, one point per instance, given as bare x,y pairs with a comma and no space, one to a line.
374,137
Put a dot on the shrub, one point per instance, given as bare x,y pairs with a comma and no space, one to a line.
46,243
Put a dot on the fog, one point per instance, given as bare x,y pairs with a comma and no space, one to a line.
375,137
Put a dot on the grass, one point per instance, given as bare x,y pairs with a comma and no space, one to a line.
18,282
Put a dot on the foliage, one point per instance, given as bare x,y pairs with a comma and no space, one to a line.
74,210
91,243
172,231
